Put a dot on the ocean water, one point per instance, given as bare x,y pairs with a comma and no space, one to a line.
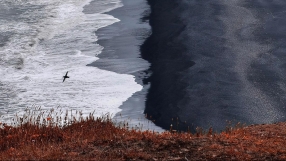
40,41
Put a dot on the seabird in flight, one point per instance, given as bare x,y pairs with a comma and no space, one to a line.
66,76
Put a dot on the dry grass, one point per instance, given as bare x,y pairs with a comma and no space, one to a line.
99,139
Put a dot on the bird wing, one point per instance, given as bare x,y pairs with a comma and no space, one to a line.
67,73
64,79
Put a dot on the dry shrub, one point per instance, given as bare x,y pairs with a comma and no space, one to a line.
47,138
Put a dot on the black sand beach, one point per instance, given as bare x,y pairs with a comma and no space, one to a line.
210,62
216,61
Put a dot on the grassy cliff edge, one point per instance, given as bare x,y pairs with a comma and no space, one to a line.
101,139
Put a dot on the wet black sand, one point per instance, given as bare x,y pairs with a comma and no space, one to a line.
121,54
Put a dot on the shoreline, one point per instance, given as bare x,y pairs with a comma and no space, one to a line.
121,54
202,74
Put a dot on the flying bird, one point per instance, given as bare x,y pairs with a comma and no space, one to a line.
66,76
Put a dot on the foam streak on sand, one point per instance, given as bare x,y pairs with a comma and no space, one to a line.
48,38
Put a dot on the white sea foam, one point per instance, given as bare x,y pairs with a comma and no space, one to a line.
48,39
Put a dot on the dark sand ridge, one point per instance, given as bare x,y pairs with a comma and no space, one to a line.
216,61
121,54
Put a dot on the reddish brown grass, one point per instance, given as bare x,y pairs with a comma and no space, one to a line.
100,139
